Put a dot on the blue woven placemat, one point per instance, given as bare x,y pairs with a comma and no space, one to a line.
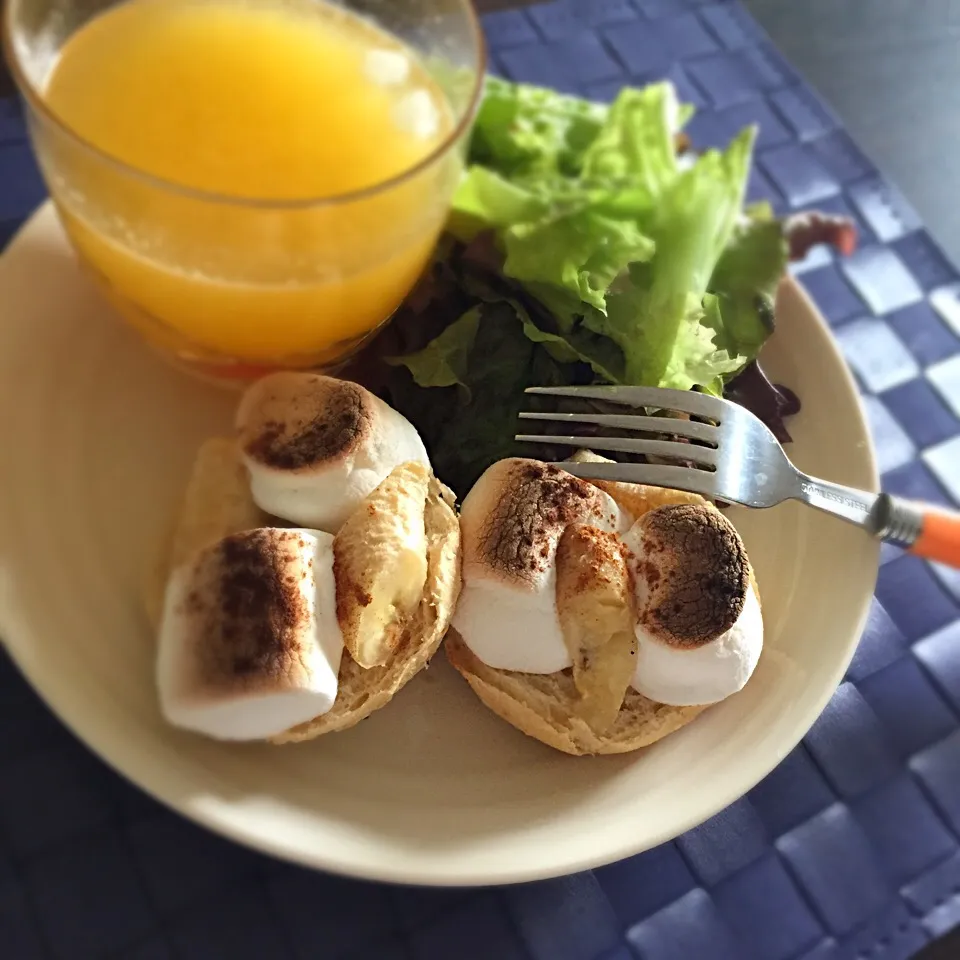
850,850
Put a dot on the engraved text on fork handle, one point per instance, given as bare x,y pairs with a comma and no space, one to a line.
855,506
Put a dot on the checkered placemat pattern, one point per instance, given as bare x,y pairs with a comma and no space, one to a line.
850,849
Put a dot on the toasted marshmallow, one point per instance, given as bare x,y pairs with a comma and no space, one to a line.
511,523
699,629
249,642
315,446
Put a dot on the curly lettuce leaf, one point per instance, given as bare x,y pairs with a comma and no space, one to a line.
486,200
525,130
651,318
583,252
699,360
637,142
442,361
592,254
625,251
579,345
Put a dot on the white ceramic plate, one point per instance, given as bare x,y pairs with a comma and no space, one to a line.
96,440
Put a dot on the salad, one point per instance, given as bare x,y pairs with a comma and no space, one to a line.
588,244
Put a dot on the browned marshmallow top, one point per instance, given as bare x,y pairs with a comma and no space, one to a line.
695,568
247,613
517,511
295,421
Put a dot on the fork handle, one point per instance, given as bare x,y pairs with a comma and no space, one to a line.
923,529
927,531
939,537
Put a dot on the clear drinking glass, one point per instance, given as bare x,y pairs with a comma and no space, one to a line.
234,286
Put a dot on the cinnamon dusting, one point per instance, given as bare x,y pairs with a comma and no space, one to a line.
537,502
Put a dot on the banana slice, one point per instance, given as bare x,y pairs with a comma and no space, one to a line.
597,610
635,498
380,564
443,541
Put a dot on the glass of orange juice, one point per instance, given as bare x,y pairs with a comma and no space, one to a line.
255,184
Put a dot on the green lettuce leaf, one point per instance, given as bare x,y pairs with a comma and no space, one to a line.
558,328
523,130
745,283
577,344
592,253
471,425
445,360
583,252
486,200
697,359
691,224
637,141
625,251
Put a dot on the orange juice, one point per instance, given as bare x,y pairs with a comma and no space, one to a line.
223,231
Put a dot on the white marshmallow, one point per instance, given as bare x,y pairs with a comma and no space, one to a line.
705,674
315,446
249,641
700,629
511,523
513,629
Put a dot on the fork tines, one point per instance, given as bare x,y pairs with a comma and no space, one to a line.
683,401
696,444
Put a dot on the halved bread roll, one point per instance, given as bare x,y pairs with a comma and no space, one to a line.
544,706
362,691
563,709
411,624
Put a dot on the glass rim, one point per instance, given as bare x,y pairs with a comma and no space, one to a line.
35,102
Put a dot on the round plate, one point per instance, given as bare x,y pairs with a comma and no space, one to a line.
96,441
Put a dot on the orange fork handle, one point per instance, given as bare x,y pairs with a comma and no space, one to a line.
939,538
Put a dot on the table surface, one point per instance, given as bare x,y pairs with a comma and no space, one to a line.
890,69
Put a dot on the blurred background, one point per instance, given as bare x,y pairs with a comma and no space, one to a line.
891,70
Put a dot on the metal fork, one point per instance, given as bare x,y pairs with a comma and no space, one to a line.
729,454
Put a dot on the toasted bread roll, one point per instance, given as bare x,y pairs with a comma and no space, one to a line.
410,518
216,502
362,691
675,586
543,706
